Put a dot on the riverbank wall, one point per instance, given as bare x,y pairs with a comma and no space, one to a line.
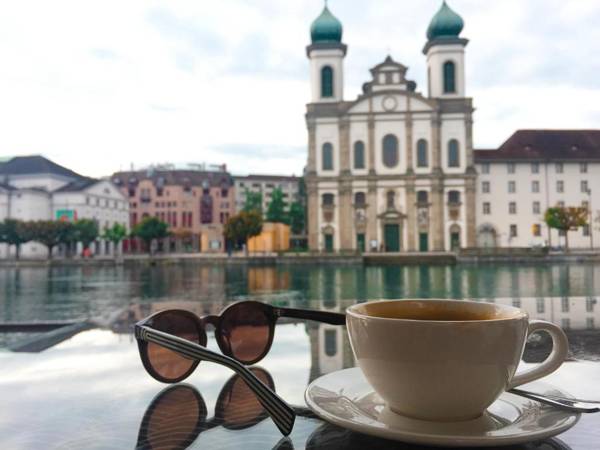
367,259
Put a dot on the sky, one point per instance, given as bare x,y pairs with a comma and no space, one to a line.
101,86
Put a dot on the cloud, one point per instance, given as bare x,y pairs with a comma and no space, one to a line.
101,85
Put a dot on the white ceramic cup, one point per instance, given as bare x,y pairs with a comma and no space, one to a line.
445,360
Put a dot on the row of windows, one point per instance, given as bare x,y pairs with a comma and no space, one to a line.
103,202
535,187
360,198
565,306
535,168
536,207
390,153
536,230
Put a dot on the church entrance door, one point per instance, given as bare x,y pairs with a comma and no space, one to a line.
392,237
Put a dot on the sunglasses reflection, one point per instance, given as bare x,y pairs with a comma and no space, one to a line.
178,414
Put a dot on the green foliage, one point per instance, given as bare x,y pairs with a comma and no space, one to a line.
149,229
276,209
253,202
242,226
115,234
86,231
16,232
50,233
297,218
566,219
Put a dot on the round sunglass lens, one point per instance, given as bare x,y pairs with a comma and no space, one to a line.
166,363
246,330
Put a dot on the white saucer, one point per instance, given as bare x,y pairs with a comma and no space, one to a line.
346,399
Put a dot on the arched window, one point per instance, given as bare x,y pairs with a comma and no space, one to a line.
391,199
449,77
453,154
454,197
326,82
390,150
422,197
327,156
360,199
422,160
359,155
328,199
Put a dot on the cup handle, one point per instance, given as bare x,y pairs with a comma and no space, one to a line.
560,349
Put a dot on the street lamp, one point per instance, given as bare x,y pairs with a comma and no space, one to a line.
591,225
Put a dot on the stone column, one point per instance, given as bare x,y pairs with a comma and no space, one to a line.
371,145
345,219
471,206
437,216
408,123
312,147
411,212
313,214
344,133
436,143
469,140
372,214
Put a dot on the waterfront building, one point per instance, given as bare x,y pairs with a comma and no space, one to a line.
195,202
391,170
265,184
532,171
35,188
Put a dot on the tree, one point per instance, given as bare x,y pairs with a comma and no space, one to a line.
86,232
276,209
566,219
115,234
49,232
243,226
253,202
296,218
16,232
149,229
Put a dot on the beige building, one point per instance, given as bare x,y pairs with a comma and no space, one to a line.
393,169
265,185
195,203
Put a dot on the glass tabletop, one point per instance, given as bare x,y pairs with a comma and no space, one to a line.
91,391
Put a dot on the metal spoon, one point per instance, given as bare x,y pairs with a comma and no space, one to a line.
569,404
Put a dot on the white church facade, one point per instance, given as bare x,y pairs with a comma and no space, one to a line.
392,170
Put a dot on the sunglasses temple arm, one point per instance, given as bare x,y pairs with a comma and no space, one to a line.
282,414
309,314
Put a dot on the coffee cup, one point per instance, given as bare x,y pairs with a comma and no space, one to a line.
445,360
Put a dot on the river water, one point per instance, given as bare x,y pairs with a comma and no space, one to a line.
58,293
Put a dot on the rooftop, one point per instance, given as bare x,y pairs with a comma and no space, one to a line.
78,185
545,145
174,177
35,164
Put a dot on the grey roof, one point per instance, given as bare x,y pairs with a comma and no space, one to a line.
78,185
35,164
173,177
546,145
257,177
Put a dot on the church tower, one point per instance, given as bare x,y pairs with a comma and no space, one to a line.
445,51
326,54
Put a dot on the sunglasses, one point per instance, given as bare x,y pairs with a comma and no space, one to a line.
173,342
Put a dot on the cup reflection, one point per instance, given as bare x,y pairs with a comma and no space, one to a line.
178,414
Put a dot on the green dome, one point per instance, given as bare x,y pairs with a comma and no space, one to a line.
445,24
326,28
